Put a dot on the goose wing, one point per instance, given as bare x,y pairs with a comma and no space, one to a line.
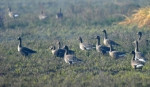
112,42
27,50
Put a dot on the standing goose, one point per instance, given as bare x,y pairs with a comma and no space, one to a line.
24,50
71,59
59,15
107,41
12,14
138,55
57,52
101,48
85,46
135,63
116,54
42,15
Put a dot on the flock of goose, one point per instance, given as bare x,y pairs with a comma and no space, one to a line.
137,61
42,15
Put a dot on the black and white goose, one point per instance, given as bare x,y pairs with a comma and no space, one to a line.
59,15
107,41
138,55
101,48
116,54
70,58
12,14
42,15
57,52
136,64
24,50
85,46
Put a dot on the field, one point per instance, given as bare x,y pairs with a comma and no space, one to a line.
86,18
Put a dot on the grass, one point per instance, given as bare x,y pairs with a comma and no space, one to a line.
43,69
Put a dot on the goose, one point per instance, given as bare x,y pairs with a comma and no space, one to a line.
70,58
12,14
57,52
42,16
138,55
64,47
116,54
24,50
135,63
101,48
59,15
85,46
107,41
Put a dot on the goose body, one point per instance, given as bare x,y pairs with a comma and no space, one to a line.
107,41
42,16
71,59
84,46
101,48
116,54
57,52
138,55
136,64
24,50
59,15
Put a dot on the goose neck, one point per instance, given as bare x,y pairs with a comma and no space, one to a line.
136,46
110,48
105,35
20,43
98,41
81,40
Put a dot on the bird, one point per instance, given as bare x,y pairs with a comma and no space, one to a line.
85,46
42,15
59,15
138,55
116,54
57,52
136,64
24,50
69,51
70,58
12,14
101,48
107,41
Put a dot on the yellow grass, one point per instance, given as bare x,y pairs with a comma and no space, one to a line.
141,18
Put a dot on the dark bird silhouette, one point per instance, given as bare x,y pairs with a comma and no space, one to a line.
24,50
107,41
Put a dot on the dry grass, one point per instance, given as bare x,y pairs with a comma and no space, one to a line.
141,18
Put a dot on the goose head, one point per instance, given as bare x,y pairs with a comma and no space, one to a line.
132,52
97,37
140,35
9,9
135,42
19,38
104,31
52,47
